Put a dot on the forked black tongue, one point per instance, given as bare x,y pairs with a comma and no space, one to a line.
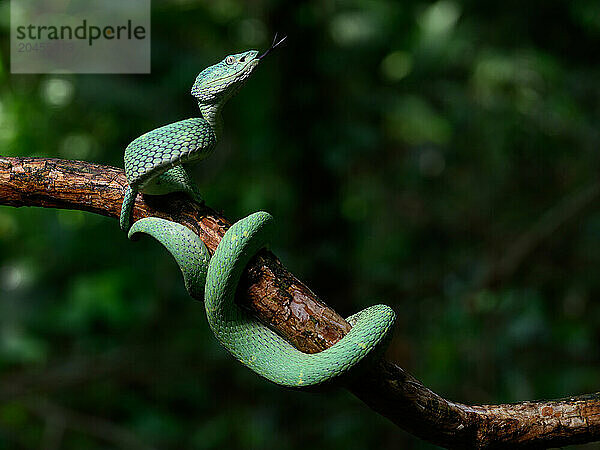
273,46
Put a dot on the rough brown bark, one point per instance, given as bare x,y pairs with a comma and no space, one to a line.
279,299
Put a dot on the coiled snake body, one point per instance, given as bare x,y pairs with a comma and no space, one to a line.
153,165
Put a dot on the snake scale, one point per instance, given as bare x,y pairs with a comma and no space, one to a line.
154,165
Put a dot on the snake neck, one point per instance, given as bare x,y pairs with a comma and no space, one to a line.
211,112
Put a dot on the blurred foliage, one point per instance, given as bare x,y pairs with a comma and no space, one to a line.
403,148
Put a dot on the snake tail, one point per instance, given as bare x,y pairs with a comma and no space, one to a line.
127,208
248,340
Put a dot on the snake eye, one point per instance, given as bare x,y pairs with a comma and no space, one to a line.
230,59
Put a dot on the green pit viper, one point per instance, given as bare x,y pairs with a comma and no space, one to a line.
154,165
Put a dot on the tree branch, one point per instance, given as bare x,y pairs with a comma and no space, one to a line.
280,300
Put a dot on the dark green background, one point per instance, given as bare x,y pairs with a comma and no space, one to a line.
403,148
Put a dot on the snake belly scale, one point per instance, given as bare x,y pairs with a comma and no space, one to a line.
153,165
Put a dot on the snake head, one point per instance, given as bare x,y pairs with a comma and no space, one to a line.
220,81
